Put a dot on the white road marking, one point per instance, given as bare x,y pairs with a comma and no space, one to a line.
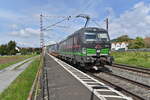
73,70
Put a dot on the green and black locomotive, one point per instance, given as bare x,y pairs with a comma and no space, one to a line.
88,47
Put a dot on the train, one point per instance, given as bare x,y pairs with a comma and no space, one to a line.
88,47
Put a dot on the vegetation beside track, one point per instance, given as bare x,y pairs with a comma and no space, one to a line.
12,60
141,59
19,89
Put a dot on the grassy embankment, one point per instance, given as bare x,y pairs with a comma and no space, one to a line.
19,89
9,60
141,59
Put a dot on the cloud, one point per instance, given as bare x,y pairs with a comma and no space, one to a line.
4,14
134,22
14,26
27,32
50,42
27,44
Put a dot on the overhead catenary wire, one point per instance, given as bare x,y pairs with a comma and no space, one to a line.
96,23
57,23
86,4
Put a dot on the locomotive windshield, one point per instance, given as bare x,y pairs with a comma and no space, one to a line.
90,36
102,36
96,37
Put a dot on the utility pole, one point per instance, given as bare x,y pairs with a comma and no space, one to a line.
41,33
107,24
42,29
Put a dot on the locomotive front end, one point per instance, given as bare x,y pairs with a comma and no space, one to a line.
97,47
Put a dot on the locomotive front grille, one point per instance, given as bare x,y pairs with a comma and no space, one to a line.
91,52
98,52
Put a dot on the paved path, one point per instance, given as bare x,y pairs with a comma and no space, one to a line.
9,74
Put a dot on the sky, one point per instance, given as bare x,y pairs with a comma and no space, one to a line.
20,21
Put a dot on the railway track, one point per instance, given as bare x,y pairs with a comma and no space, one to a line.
133,68
127,86
138,89
117,87
135,89
139,75
131,81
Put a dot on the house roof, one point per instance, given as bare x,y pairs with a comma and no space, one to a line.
147,38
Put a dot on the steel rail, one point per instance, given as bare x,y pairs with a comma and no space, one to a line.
134,69
131,81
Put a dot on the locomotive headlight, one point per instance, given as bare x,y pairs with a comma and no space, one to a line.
98,51
109,52
84,50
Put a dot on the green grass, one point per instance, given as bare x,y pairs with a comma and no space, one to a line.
19,89
141,59
2,66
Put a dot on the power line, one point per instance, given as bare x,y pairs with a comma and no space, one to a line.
96,23
54,25
57,23
84,7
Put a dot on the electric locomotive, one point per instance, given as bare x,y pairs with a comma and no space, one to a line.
88,47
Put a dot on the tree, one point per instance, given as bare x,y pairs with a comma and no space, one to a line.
11,48
37,50
137,43
30,51
123,38
24,51
3,50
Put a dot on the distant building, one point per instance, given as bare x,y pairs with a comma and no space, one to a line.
119,46
17,48
147,42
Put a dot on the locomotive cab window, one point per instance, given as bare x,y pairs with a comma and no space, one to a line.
102,36
90,36
96,37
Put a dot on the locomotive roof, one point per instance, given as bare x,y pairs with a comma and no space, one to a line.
96,29
91,29
85,29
